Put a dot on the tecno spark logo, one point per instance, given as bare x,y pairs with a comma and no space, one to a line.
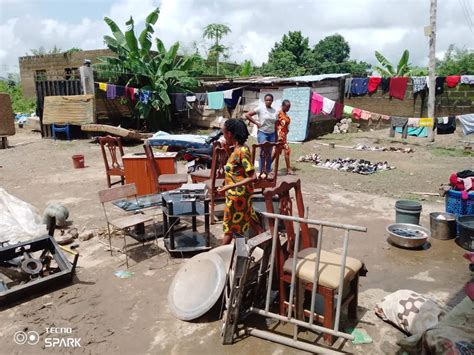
54,338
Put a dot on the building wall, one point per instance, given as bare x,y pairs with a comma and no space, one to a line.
54,65
453,101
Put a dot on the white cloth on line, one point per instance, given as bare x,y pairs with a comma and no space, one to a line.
467,123
445,120
467,79
228,94
328,105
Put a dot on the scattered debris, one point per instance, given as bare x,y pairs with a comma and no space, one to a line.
57,211
342,126
86,235
124,274
359,166
384,149
360,336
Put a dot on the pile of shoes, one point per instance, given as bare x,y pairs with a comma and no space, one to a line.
358,166
384,149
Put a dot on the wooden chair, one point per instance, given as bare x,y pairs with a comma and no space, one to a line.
220,156
205,174
114,147
163,182
265,150
122,223
329,266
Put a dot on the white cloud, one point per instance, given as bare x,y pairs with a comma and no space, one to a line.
368,25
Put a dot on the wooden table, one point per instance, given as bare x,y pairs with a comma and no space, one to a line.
137,171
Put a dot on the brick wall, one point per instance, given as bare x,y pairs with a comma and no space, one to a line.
453,101
53,64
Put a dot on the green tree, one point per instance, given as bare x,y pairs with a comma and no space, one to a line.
215,31
246,68
20,104
289,57
42,51
136,65
456,61
332,49
386,69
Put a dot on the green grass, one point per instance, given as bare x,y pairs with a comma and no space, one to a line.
451,152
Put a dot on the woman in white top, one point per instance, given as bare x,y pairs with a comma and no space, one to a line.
266,128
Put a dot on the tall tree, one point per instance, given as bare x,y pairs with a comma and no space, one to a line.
387,69
456,61
161,71
288,57
332,49
215,31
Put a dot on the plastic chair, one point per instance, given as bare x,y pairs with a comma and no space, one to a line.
114,146
55,128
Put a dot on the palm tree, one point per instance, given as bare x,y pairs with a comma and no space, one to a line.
161,71
387,69
215,31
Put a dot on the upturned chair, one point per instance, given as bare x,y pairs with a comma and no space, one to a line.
163,182
113,146
329,265
264,152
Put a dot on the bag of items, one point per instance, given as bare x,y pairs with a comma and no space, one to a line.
19,221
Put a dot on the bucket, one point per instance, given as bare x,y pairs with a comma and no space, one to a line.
465,237
407,211
78,161
443,225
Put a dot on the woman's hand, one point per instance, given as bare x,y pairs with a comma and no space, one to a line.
221,190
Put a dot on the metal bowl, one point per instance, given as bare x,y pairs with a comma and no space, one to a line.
407,235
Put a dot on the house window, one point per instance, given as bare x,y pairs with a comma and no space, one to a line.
40,75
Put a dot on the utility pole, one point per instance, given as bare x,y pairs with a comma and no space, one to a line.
432,68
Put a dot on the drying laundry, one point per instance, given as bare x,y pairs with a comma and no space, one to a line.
374,82
103,86
426,122
348,87
215,100
419,83
119,91
316,103
398,87
358,166
228,94
130,94
348,110
111,92
359,86
413,122
144,96
467,79
439,85
399,122
446,125
356,113
467,123
328,105
385,85
338,108
365,115
452,80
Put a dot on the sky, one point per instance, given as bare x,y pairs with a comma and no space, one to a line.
389,26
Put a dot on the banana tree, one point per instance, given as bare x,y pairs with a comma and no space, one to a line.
161,71
386,69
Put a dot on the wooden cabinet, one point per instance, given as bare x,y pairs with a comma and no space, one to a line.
137,171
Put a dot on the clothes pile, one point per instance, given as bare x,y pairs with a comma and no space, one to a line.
384,149
358,166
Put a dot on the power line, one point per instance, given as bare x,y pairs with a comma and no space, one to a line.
466,14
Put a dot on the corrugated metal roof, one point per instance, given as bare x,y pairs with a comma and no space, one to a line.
274,79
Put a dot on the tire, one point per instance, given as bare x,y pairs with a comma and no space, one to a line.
199,167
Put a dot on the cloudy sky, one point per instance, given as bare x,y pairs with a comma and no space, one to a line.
389,26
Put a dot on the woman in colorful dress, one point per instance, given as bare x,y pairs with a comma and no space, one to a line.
282,127
239,214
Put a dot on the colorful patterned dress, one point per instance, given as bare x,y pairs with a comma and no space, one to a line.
282,125
238,209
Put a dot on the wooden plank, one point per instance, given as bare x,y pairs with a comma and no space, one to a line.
116,131
118,192
130,221
7,119
76,109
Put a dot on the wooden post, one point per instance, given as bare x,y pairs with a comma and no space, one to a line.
431,67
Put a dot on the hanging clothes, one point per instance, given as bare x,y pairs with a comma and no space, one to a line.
130,94
446,125
359,86
419,83
426,122
374,82
398,122
178,100
348,110
144,96
111,91
215,100
316,103
413,122
467,123
103,86
453,80
338,108
356,113
385,117
398,87
234,99
201,97
375,117
328,105
347,87
228,94
120,91
439,85
385,85
467,79
365,115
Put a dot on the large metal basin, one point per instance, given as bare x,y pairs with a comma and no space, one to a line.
419,235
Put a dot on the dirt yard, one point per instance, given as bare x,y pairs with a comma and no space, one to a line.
131,316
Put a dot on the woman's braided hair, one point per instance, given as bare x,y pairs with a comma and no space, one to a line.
238,129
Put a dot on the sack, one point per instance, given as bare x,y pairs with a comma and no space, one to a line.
409,311
19,221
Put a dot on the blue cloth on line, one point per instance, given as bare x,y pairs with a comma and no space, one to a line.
111,91
215,100
421,132
144,96
120,91
359,86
